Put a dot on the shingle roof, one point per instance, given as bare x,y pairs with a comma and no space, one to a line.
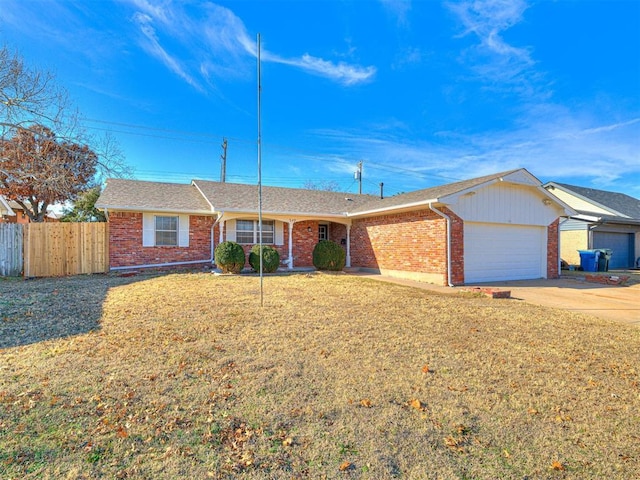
432,193
619,202
238,197
209,196
120,194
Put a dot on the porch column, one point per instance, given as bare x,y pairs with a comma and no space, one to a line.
290,261
348,260
221,231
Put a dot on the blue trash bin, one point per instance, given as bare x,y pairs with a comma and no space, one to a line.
589,260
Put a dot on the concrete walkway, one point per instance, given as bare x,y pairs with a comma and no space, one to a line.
618,303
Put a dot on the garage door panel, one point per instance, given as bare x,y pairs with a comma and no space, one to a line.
495,252
620,243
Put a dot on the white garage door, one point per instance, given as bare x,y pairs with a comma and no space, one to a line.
495,251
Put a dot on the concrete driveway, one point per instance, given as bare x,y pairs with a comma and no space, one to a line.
619,303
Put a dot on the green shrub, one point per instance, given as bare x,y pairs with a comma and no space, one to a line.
270,258
230,257
328,255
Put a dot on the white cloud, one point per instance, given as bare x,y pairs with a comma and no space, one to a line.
213,43
341,72
557,145
152,45
493,58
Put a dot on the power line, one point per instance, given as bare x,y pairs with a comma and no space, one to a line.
211,138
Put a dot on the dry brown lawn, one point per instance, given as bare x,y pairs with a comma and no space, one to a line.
186,376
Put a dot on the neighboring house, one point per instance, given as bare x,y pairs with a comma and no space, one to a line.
6,212
603,220
18,215
498,227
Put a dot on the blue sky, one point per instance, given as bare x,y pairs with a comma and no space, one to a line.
423,92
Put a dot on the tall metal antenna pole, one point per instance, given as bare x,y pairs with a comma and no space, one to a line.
223,157
360,177
260,170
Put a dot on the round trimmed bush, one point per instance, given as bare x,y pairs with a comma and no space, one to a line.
270,258
328,255
229,257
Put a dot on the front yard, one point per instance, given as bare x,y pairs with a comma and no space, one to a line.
186,376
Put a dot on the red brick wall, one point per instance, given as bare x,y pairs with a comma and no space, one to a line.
457,247
125,242
552,250
413,242
304,242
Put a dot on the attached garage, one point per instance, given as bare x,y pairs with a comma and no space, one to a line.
494,252
620,243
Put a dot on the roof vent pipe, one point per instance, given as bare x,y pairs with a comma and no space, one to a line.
381,190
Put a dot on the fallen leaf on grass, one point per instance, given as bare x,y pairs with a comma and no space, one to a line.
532,411
344,466
417,404
458,389
287,442
365,402
425,368
454,444
556,465
506,453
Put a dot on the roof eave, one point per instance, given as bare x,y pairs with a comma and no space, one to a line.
281,213
122,208
404,206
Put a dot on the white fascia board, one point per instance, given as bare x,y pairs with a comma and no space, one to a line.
117,208
421,203
586,218
285,214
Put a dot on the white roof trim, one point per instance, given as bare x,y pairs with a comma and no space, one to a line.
403,206
9,210
118,208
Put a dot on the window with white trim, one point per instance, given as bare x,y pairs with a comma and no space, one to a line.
166,229
247,231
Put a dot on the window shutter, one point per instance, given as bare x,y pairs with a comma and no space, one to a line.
148,230
183,231
279,236
230,230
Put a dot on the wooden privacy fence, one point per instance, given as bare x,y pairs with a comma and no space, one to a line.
58,249
10,249
54,249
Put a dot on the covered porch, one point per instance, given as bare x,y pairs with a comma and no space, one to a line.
293,237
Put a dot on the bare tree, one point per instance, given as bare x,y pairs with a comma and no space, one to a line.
35,111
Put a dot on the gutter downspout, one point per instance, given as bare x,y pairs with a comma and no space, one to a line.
448,219
172,264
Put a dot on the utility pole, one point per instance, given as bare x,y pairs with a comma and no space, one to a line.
358,177
223,157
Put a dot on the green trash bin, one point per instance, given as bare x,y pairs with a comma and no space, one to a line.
604,255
